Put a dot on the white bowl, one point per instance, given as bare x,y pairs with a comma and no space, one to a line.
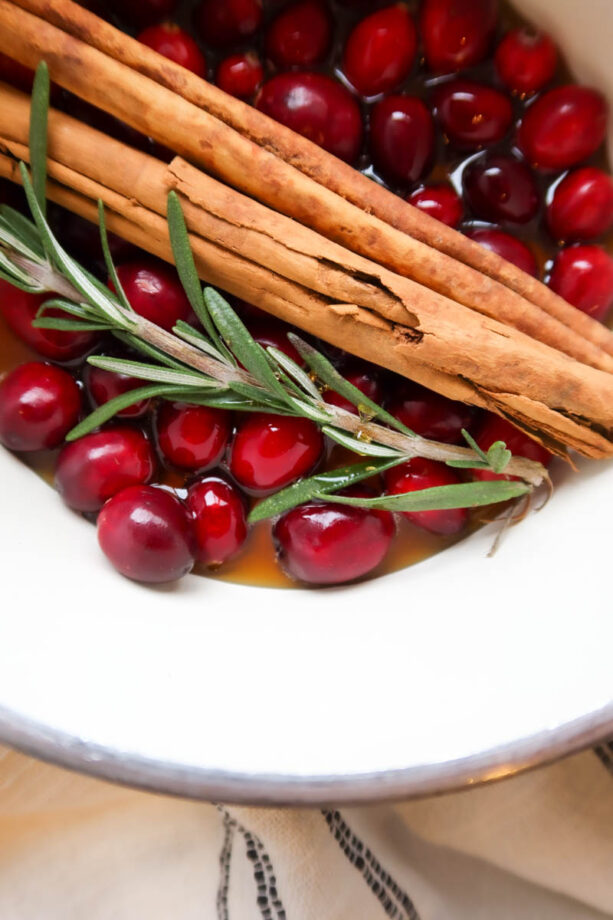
458,670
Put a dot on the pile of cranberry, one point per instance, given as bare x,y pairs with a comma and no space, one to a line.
442,105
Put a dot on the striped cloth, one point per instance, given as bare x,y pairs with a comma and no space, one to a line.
536,847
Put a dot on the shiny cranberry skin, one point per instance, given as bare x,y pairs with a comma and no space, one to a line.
147,534
223,22
419,474
526,60
192,437
144,12
402,138
563,127
39,404
240,75
19,309
96,467
364,377
329,544
501,188
457,33
429,414
506,246
380,51
154,291
16,74
317,107
300,35
473,115
220,521
439,201
106,385
495,429
172,42
582,205
583,275
269,333
271,451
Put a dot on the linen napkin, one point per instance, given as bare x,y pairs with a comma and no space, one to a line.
535,847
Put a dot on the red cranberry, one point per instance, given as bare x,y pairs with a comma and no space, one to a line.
439,201
317,107
192,437
402,138
223,22
16,74
154,291
220,522
300,35
526,60
147,534
172,42
106,385
240,75
500,188
19,309
419,474
457,33
506,246
364,377
495,429
272,451
473,115
582,205
329,544
563,127
39,404
429,414
94,468
380,51
269,333
583,275
144,12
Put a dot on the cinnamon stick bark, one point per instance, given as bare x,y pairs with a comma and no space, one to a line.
248,250
144,103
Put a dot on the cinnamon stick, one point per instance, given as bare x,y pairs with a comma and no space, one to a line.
144,102
452,349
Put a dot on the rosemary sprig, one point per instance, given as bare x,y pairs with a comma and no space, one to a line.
222,365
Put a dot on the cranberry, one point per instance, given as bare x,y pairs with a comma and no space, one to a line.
269,333
583,275
223,22
329,544
39,404
192,437
300,35
439,201
364,377
495,429
457,33
582,205
419,474
147,534
172,42
402,138
16,74
473,115
19,309
144,12
563,127
94,468
220,521
240,75
526,60
506,246
272,451
316,107
106,385
380,51
500,188
154,291
429,414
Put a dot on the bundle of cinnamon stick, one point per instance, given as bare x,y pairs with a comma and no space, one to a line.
290,228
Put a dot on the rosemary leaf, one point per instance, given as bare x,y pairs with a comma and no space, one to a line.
39,113
182,378
365,448
294,371
442,498
23,233
69,325
108,260
499,456
109,409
